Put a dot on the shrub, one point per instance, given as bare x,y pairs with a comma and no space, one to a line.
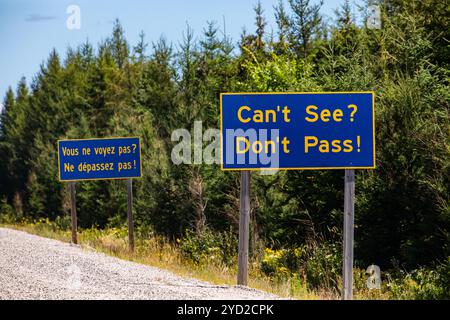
323,265
272,263
209,246
6,212
423,284
63,222
444,278
320,264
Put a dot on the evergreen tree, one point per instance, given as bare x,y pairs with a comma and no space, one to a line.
7,154
305,24
283,22
141,47
119,46
260,23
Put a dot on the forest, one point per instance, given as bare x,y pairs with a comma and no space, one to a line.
150,89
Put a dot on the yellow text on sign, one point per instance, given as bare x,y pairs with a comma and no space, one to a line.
335,146
243,145
326,115
246,114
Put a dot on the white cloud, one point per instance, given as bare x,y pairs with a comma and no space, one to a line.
36,17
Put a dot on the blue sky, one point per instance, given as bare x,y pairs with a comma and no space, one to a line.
30,29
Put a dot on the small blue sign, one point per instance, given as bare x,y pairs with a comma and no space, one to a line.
290,131
99,159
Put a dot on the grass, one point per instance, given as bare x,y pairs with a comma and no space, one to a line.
159,252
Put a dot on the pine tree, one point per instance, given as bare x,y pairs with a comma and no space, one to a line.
6,148
119,46
260,22
305,23
284,24
7,112
140,48
344,15
157,90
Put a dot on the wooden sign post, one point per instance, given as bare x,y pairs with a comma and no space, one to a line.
349,220
73,207
130,215
244,220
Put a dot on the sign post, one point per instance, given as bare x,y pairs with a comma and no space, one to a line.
298,131
244,220
349,219
100,159
73,211
130,215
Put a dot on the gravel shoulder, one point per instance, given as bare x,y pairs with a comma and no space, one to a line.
33,267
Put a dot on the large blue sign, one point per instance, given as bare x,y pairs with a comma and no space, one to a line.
98,159
327,130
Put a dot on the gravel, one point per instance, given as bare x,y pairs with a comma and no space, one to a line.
32,267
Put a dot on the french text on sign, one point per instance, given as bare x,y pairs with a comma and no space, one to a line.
325,130
98,159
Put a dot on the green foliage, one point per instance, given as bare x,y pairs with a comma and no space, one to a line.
209,247
319,264
274,262
7,214
402,207
423,284
323,265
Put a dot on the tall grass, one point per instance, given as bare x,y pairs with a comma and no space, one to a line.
312,272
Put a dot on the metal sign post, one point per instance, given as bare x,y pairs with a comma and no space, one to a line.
244,219
73,206
349,220
130,215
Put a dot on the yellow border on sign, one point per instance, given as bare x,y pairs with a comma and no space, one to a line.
96,179
296,168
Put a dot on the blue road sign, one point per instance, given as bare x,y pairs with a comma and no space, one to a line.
326,130
99,159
